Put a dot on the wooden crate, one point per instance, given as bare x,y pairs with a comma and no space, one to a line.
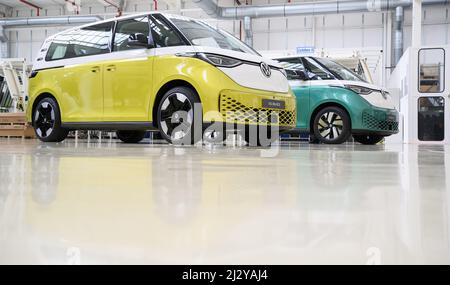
15,125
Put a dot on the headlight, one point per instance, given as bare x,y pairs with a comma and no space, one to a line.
283,71
219,60
214,59
359,89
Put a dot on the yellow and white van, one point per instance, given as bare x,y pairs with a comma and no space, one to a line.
153,72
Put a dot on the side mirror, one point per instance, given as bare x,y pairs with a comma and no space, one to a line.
297,74
138,40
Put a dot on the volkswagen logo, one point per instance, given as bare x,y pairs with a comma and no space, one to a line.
265,69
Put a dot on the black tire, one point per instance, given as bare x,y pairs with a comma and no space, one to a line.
130,136
368,139
47,121
253,135
181,102
157,136
332,125
313,139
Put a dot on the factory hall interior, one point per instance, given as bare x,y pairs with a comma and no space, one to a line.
224,132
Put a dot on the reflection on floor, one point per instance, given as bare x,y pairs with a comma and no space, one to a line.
89,202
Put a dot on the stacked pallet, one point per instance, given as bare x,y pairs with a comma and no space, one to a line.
15,125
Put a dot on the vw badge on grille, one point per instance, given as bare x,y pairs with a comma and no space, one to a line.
265,69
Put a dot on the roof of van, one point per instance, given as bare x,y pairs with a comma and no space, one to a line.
130,16
293,56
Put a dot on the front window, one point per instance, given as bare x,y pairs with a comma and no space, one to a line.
317,71
202,34
163,34
339,70
130,29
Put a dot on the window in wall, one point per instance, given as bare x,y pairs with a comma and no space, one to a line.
163,35
431,70
130,29
431,119
90,40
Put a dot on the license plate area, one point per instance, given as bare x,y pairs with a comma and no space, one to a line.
392,117
273,104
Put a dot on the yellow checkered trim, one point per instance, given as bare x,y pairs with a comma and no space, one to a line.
234,110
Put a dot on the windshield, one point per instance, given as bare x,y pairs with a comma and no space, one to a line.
340,71
201,34
313,69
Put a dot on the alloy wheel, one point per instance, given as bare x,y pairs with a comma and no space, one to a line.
330,125
177,116
44,119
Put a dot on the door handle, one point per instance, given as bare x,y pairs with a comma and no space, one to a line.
95,69
111,68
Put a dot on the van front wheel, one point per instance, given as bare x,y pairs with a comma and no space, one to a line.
331,125
176,116
47,121
130,136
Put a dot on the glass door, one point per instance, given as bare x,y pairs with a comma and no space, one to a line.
432,101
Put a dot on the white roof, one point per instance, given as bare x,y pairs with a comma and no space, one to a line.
130,16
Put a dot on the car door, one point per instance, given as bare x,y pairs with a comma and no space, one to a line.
128,75
79,54
320,82
301,89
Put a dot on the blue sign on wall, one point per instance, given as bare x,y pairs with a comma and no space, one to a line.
305,50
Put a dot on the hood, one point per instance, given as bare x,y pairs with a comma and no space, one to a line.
238,55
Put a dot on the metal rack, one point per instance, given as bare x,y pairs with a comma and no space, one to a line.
14,84
14,98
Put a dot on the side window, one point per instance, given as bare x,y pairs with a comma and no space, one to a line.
292,66
90,40
163,35
131,29
316,71
56,51
431,70
291,63
58,47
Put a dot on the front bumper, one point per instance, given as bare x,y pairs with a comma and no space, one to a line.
379,121
241,108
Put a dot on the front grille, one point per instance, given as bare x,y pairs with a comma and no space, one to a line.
372,123
234,111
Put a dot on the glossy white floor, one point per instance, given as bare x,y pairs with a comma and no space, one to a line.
109,202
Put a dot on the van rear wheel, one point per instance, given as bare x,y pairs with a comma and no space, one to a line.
130,136
368,139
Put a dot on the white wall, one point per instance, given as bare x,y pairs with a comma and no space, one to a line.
329,31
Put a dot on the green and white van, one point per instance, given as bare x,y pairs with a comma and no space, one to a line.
333,102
